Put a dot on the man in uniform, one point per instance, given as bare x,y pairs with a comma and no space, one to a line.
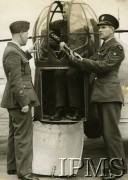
70,81
19,96
106,92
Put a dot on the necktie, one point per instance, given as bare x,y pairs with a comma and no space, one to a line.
103,44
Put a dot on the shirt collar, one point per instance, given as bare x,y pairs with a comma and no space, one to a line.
16,43
108,40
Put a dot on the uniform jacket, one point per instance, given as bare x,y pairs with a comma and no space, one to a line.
105,64
59,27
19,90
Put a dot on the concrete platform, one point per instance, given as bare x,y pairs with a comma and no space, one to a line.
93,148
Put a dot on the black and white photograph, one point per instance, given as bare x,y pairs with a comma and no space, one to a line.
63,89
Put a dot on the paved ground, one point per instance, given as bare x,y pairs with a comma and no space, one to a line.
92,148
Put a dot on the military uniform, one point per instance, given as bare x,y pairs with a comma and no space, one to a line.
106,91
105,65
18,93
71,80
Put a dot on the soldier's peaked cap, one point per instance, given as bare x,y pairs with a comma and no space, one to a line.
18,26
107,19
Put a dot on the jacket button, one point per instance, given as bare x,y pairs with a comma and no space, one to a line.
95,78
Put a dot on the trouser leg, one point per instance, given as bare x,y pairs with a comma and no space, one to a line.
60,88
75,87
11,162
110,115
23,133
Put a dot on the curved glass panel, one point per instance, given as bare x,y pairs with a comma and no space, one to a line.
92,24
81,33
55,13
78,26
41,31
83,27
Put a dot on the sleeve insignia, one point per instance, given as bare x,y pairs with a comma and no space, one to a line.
119,47
21,91
115,52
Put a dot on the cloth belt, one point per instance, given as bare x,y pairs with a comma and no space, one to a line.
111,74
27,78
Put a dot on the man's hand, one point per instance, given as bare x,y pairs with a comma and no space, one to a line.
65,48
73,56
25,109
76,57
31,49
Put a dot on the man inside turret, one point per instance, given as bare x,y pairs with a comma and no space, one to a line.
68,83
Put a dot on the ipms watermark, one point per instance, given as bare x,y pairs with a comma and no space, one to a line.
116,164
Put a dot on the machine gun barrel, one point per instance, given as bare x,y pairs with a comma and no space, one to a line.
68,51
